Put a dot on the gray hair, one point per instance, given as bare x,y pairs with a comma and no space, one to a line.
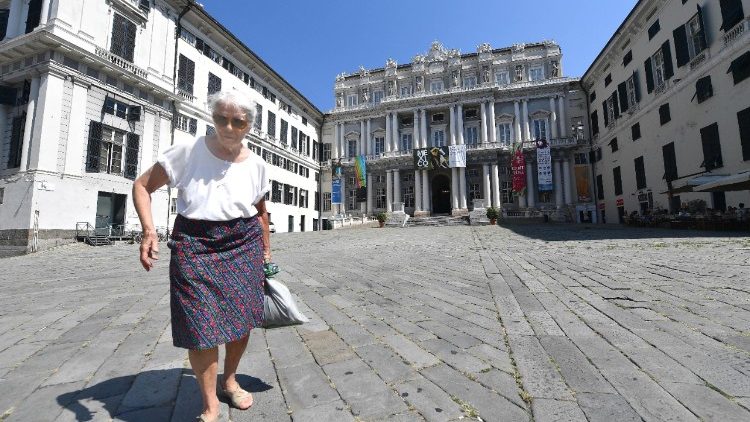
236,98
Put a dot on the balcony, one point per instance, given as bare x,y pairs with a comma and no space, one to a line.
731,36
185,95
658,90
120,62
699,59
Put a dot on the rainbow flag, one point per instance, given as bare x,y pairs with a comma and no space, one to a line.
361,171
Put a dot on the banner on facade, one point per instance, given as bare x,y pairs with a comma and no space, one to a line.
362,194
544,165
582,183
336,168
336,191
457,156
431,158
360,170
518,167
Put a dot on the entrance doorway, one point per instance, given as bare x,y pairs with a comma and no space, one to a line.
441,194
110,212
290,228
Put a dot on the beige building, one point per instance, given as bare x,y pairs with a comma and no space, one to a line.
669,107
487,101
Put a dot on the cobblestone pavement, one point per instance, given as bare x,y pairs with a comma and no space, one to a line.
543,323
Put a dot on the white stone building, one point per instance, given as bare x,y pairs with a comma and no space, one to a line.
91,91
669,106
488,100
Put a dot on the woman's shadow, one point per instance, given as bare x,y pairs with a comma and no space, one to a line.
155,395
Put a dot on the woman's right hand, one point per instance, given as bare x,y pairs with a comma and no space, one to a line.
149,249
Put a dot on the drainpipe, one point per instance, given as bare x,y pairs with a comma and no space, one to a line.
178,29
593,162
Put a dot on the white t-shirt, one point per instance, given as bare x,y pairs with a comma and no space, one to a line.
211,188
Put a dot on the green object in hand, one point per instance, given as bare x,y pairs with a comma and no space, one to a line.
270,269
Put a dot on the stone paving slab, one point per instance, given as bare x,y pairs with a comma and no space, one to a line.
517,323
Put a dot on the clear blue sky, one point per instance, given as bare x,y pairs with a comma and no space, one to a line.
310,42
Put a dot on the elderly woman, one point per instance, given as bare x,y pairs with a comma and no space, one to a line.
219,242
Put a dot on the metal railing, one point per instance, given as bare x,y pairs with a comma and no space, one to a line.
736,32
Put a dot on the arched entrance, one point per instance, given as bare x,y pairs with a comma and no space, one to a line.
441,194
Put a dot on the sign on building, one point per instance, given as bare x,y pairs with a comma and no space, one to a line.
457,156
431,158
336,191
544,165
518,167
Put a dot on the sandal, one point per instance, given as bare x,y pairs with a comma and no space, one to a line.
204,418
237,396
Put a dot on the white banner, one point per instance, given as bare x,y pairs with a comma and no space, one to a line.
544,166
457,156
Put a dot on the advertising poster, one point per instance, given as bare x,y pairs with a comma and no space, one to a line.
544,165
457,156
582,183
431,158
336,191
518,168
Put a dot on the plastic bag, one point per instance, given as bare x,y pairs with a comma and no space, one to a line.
279,309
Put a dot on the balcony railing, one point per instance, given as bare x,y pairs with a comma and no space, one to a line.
120,62
661,88
185,95
733,34
478,87
699,59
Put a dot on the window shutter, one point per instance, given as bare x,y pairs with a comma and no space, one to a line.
109,105
594,123
193,126
667,54
622,91
637,86
615,105
680,46
605,112
743,121
670,162
16,141
134,113
649,75
731,13
4,16
117,36
711,147
131,156
94,147
33,16
703,34
129,40
740,68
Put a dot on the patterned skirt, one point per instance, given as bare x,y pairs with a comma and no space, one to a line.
216,281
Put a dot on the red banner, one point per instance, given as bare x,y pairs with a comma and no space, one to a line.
518,166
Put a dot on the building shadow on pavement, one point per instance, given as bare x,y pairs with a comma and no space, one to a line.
566,232
153,395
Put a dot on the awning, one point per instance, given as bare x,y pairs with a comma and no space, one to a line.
690,184
735,182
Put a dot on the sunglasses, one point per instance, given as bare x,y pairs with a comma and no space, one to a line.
236,123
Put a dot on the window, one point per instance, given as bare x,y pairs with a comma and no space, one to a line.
658,63
173,206
504,134
635,131
475,192
352,149
114,107
471,135
2,195
653,29
628,94
608,79
470,81
506,192
689,39
519,73
664,115
380,198
436,85
438,138
186,124
658,68
326,201
703,89
501,78
406,141
214,83
740,68
304,119
406,90
210,130
592,96
613,144
711,147
271,124
105,151
326,153
536,73
611,109
377,97
617,180
731,13
640,173
258,123
379,145
599,187
743,121
351,100
186,75
594,123
627,58
294,138
438,117
284,134
670,162
16,141
540,129
123,37
407,195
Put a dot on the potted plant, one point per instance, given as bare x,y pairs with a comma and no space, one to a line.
492,214
381,217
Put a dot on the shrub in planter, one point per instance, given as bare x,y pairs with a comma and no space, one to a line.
493,214
381,217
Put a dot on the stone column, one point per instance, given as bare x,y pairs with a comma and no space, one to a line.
396,135
495,186
423,127
14,19
415,140
335,143
483,134
563,119
492,127
388,132
522,200
460,128
362,138
425,191
368,138
45,12
5,123
369,194
567,183
525,124
462,187
388,190
342,208
557,177
530,188
452,125
552,118
30,112
454,188
44,148
486,185
396,186
417,190
517,135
